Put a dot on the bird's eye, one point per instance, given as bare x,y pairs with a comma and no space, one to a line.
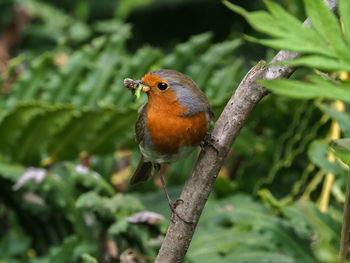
162,86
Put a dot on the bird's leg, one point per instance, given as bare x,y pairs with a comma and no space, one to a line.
208,139
172,205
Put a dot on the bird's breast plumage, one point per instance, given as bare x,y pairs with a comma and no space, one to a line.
169,133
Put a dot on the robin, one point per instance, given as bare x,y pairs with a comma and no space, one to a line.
171,125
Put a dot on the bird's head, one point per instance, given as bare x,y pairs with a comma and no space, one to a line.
166,87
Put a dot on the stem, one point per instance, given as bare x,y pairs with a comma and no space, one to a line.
328,182
344,243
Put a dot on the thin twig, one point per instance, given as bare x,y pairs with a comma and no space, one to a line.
344,244
12,34
198,187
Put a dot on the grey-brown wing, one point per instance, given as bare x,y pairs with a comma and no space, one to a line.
141,123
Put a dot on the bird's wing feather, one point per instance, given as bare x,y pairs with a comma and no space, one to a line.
141,123
142,172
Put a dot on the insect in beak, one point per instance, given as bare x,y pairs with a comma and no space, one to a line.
142,86
136,86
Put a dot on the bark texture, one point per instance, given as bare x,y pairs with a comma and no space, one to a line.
198,187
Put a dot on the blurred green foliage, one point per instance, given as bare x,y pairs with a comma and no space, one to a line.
65,112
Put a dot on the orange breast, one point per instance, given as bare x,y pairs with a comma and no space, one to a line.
168,130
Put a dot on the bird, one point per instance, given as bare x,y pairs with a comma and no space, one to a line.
170,126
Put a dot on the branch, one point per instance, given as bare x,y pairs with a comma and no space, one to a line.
12,34
199,186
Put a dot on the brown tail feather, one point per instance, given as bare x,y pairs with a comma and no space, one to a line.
142,172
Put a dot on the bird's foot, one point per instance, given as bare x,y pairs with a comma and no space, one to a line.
174,213
209,140
178,202
172,205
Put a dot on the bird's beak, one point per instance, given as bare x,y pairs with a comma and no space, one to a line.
144,87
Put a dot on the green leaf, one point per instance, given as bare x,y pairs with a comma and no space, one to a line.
260,20
327,25
119,123
121,204
63,252
118,227
207,62
235,228
96,82
36,136
79,31
31,81
344,11
221,240
259,257
317,88
343,118
89,179
88,259
265,23
319,62
61,88
291,26
15,121
75,137
14,243
294,44
225,80
341,149
318,153
324,37
282,26
11,171
185,53
143,61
